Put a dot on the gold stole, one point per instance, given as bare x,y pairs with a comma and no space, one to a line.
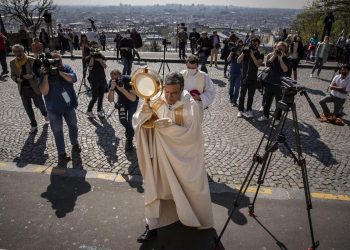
179,119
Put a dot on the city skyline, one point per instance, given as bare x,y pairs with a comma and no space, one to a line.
287,4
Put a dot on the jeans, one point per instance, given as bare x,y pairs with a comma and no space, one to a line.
235,84
203,57
127,63
27,94
98,91
338,104
56,123
272,91
3,60
318,65
250,87
125,113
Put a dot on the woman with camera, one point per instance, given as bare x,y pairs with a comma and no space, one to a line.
279,67
235,72
97,79
127,103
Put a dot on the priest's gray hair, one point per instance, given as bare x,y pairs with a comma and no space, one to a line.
174,78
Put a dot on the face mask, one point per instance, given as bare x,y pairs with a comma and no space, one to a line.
192,72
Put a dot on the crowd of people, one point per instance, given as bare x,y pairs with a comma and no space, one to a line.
179,110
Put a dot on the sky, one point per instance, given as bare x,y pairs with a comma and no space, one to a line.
286,4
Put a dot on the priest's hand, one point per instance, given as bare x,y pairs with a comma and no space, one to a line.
163,123
146,108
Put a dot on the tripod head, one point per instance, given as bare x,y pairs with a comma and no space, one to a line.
290,88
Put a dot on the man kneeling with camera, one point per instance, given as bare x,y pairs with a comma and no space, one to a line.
56,84
126,105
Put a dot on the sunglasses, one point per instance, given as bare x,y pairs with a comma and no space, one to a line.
192,62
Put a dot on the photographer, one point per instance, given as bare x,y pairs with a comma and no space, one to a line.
127,103
182,36
126,49
235,72
194,36
225,52
97,78
117,40
56,84
250,60
279,67
22,73
215,40
339,87
205,46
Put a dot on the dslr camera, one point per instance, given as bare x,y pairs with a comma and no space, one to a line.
247,48
165,42
95,53
278,52
51,65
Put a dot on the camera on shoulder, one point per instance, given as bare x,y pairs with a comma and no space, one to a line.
95,53
52,65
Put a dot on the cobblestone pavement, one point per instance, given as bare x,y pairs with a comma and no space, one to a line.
229,141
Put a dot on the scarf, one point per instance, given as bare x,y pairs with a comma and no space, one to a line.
20,62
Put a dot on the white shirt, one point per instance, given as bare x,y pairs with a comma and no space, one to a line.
341,83
92,36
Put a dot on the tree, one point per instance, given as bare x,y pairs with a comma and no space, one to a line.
311,19
28,12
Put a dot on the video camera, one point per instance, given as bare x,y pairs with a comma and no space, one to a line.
165,42
50,64
95,53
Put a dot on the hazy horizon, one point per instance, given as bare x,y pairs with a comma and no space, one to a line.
285,4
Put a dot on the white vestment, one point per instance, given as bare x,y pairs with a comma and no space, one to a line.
171,160
201,82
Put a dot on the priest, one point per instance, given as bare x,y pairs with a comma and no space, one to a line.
171,160
198,84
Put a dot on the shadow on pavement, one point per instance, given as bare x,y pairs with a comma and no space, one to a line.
310,138
177,236
106,140
220,83
133,170
33,152
63,192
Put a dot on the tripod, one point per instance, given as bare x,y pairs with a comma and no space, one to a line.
87,89
275,136
162,65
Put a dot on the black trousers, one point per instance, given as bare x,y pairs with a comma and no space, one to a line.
27,95
98,91
272,91
3,60
250,87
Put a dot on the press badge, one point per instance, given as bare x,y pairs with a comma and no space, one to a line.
66,96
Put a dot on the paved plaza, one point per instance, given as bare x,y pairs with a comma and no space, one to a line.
230,142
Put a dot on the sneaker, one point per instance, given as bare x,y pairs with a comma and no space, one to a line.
249,114
90,114
261,108
101,114
76,148
240,114
262,118
34,129
311,75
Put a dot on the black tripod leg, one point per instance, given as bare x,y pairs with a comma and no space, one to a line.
265,166
168,66
302,163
